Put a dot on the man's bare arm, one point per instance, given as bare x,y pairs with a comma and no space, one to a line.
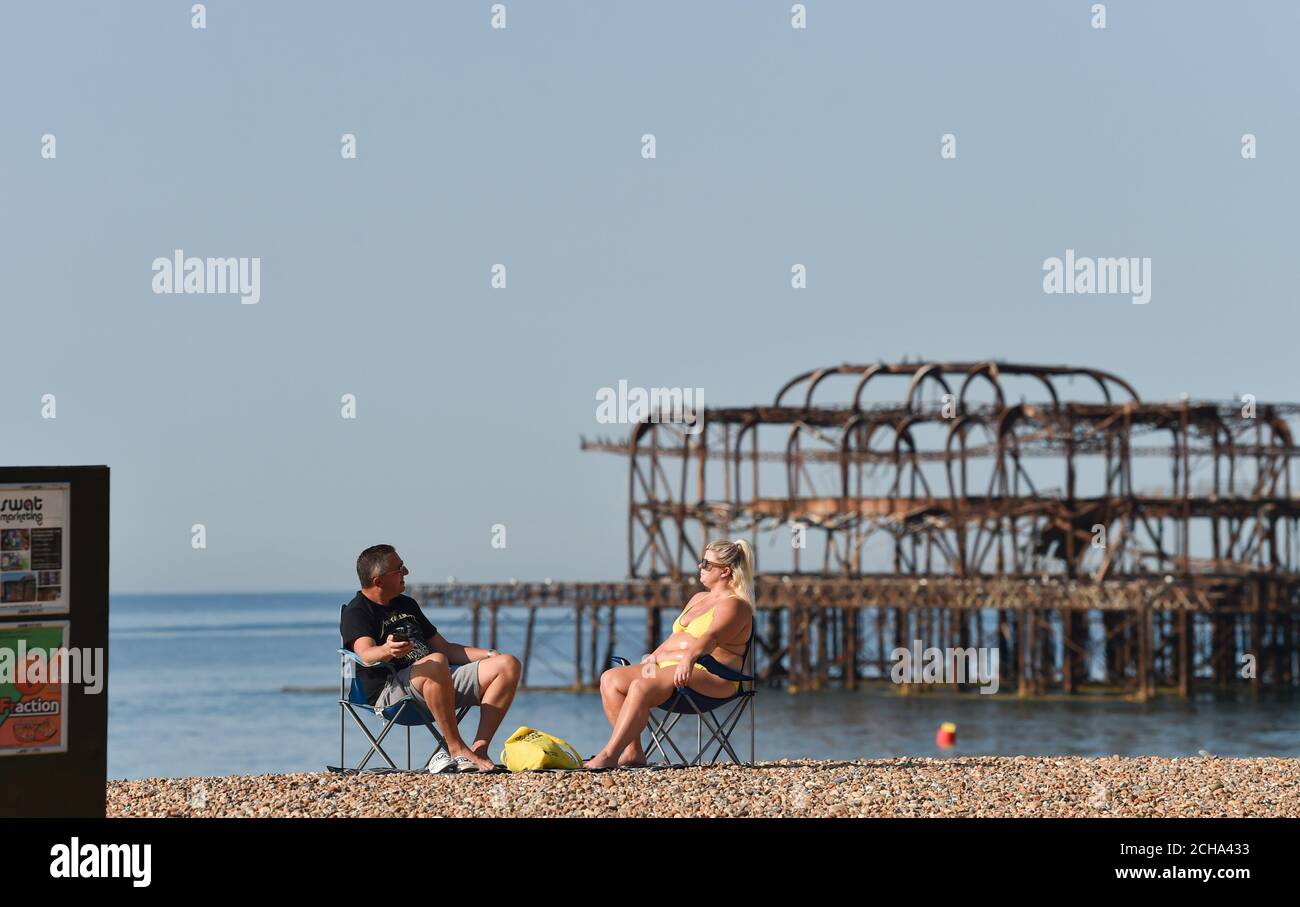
370,651
456,653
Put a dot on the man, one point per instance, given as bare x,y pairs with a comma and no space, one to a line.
441,674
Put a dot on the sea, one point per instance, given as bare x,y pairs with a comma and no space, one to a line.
248,684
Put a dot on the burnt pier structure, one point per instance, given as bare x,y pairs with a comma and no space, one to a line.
1096,541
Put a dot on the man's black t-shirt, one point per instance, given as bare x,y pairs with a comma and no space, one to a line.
362,617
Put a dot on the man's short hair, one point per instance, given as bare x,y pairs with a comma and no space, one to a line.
370,563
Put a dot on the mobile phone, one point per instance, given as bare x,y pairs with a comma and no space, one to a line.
400,636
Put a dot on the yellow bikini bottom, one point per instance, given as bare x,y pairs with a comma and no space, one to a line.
698,667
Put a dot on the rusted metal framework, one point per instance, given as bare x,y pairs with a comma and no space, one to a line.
1095,539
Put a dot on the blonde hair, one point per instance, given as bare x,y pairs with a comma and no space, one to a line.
739,556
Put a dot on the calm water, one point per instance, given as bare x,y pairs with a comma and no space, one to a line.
197,687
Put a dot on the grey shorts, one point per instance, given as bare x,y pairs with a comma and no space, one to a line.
464,680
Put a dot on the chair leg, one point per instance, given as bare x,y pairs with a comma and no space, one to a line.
343,678
441,740
700,718
375,742
652,727
722,733
717,732
376,746
662,734
699,756
729,730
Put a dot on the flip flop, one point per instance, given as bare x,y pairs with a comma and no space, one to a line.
465,765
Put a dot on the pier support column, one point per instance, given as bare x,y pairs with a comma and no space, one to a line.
1184,654
851,648
1145,630
528,646
1026,637
577,645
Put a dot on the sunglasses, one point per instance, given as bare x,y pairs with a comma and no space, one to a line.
707,564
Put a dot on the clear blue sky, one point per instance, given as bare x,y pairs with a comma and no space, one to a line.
476,146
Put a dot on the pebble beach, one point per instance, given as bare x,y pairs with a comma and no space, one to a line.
971,787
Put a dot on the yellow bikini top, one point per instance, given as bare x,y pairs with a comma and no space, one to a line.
697,627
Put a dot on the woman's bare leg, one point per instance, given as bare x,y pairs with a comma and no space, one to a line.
643,693
613,687
614,691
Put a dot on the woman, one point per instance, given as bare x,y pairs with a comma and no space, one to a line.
715,622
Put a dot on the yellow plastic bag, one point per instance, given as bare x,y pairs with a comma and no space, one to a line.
529,749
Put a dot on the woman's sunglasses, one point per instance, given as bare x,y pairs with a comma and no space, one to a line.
707,564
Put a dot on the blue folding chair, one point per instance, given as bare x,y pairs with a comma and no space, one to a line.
685,701
407,712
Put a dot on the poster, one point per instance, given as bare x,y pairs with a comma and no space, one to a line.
34,549
33,711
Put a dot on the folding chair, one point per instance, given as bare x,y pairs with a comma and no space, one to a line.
408,712
685,701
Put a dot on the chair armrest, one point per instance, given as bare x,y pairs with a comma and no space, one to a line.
717,668
354,657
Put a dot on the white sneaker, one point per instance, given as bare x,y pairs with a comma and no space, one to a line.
441,762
